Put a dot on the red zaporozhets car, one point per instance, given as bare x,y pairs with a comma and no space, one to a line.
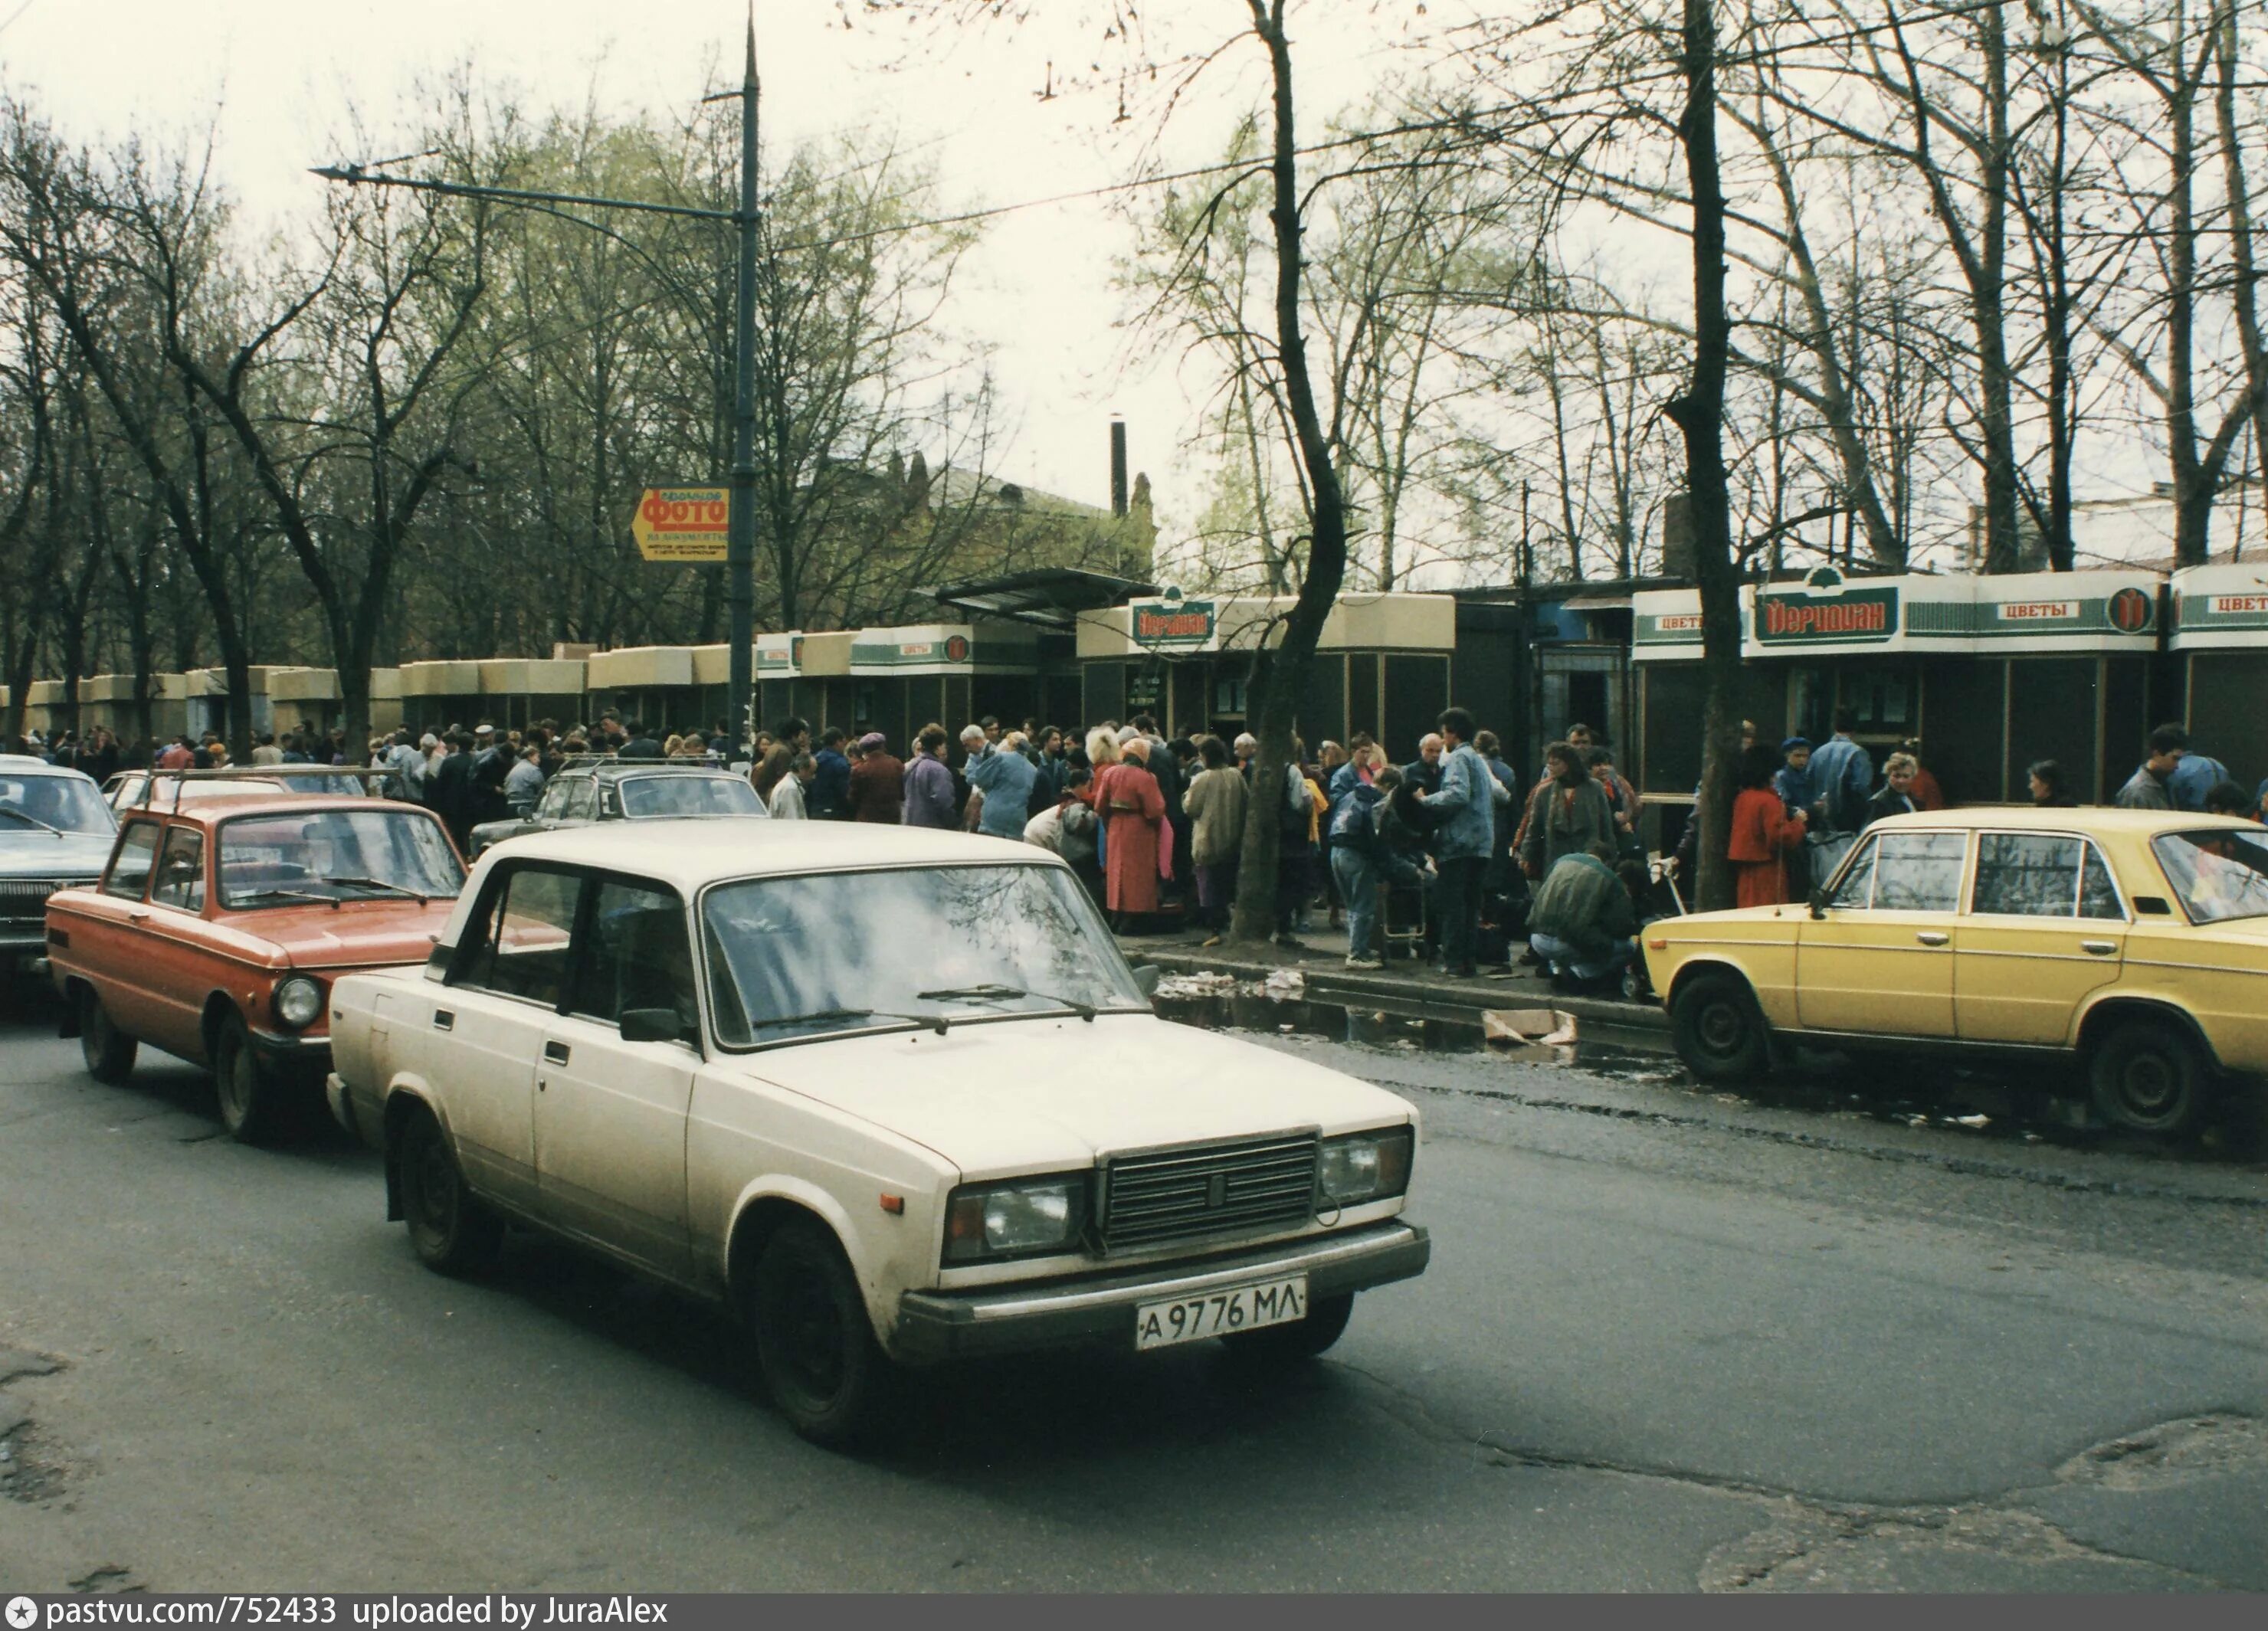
217,929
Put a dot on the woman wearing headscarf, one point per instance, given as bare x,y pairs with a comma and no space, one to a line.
1127,800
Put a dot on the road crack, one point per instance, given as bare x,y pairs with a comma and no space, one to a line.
1810,1541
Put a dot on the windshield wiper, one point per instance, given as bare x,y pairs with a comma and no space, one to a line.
247,898
31,821
936,1021
379,883
1000,993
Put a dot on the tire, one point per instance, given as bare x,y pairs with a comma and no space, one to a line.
2148,1076
109,1051
827,1373
450,1230
251,1100
1276,1347
1719,1030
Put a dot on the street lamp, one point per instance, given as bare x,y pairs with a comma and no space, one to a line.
740,522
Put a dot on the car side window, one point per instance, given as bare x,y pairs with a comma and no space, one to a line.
1856,890
636,954
180,880
583,799
2098,894
1919,871
2025,875
554,802
524,929
129,871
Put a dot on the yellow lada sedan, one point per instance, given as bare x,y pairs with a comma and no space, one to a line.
2133,943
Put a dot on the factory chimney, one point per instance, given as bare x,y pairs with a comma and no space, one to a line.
1117,466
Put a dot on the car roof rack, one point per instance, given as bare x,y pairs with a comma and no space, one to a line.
684,762
251,772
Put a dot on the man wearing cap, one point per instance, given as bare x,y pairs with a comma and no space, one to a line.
875,789
1793,780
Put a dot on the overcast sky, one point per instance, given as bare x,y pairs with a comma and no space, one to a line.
278,74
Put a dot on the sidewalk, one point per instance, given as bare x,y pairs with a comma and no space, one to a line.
1407,985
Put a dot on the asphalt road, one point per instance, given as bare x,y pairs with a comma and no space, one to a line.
1670,1339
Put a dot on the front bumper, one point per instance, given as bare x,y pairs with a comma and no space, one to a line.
292,1056
946,1324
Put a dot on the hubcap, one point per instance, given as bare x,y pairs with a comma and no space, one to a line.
811,1335
1721,1027
2149,1086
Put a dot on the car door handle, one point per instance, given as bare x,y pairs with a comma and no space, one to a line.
2098,948
555,1053
1932,936
135,914
444,1019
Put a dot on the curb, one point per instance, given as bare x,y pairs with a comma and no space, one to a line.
1431,998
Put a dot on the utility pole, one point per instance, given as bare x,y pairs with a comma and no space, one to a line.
741,523
740,520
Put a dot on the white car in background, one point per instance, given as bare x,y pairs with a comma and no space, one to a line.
894,1095
56,834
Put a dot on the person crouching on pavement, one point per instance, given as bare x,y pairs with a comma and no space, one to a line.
1583,924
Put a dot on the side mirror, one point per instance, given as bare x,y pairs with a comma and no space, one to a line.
652,1025
1818,903
1147,976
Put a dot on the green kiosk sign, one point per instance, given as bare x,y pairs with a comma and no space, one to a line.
1826,613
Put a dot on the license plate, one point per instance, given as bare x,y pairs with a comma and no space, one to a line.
1221,1313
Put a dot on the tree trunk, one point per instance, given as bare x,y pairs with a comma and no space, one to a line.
1280,675
1700,416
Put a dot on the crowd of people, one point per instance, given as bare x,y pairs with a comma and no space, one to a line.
1449,855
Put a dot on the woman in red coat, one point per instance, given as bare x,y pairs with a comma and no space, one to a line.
1763,831
1127,799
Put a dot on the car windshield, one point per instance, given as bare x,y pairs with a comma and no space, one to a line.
68,803
306,856
2218,874
674,795
791,958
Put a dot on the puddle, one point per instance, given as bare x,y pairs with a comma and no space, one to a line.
1391,1024
1994,1106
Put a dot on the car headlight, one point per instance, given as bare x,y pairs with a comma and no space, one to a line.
1366,1166
1018,1219
299,1001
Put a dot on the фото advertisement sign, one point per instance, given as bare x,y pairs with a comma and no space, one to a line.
682,524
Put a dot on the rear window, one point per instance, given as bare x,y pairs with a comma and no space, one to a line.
648,796
2217,874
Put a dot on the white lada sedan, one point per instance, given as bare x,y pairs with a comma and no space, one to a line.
894,1095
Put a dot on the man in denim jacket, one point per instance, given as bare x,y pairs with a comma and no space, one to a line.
1466,800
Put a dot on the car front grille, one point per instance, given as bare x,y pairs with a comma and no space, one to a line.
25,899
1193,1191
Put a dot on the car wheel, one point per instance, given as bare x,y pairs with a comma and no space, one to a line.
109,1051
1719,1030
2147,1077
817,1347
250,1100
450,1230
1275,1346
